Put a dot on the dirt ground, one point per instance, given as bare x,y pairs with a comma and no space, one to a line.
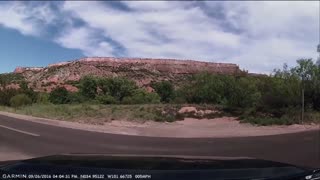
188,128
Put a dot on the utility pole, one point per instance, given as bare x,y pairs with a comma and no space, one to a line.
318,63
302,108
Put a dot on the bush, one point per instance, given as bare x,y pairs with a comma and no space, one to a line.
244,93
76,97
266,121
59,95
117,87
165,90
6,95
20,100
24,88
179,97
88,87
142,97
106,99
206,88
43,98
279,92
8,78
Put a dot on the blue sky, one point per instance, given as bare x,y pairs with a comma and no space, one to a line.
259,36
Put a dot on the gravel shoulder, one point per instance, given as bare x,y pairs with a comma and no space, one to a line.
188,128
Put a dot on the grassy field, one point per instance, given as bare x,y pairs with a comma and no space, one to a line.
98,114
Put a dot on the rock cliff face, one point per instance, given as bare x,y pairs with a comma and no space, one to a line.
143,71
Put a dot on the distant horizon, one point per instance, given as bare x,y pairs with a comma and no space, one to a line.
126,58
137,58
120,57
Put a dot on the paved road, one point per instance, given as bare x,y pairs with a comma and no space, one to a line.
34,139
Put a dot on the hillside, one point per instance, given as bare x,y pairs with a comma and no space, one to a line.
142,71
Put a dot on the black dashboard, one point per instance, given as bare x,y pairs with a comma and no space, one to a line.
151,167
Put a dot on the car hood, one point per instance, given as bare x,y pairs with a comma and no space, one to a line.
149,162
160,166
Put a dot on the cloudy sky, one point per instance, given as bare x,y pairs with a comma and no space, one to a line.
259,36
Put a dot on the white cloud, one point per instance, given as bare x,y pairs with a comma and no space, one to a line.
270,18
259,36
84,38
175,33
26,19
268,54
274,32
12,16
149,5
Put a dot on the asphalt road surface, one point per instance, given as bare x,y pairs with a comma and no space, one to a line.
35,140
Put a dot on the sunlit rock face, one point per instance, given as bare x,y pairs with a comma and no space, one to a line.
143,71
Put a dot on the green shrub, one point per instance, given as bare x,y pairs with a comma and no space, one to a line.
106,99
206,88
76,97
165,89
8,78
244,93
179,97
141,96
6,95
279,92
43,98
24,88
118,87
59,95
266,121
88,87
20,100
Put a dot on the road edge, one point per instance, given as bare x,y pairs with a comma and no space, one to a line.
99,129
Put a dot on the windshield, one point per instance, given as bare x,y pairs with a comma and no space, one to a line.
215,79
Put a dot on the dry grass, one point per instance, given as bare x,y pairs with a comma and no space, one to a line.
95,114
98,114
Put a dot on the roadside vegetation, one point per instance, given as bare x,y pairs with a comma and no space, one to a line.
287,96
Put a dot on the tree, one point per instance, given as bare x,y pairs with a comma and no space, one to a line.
278,93
316,90
88,87
244,93
3,82
104,85
6,94
141,96
318,62
7,78
43,98
117,87
20,100
24,88
59,95
305,70
165,90
208,88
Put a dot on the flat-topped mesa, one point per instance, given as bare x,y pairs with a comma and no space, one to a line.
174,66
144,71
